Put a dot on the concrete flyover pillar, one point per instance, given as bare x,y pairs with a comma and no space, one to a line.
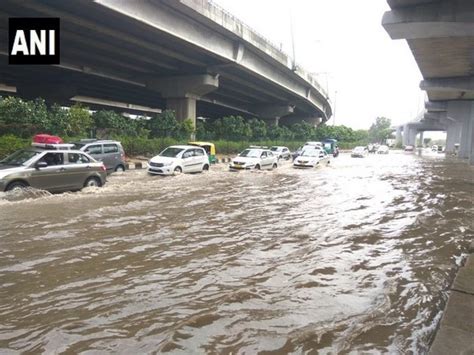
453,136
182,92
406,133
421,138
398,137
463,113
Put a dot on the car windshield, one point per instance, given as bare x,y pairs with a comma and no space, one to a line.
311,153
250,153
19,157
358,149
275,149
171,152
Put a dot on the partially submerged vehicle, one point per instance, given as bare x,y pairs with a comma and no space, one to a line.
330,146
254,158
310,158
210,149
359,152
178,159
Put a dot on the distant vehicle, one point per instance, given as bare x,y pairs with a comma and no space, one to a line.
409,148
314,144
359,152
372,148
254,158
330,146
54,170
210,149
434,148
281,152
108,151
383,149
178,159
297,153
310,158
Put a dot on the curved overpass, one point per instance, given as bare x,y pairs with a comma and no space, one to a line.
186,55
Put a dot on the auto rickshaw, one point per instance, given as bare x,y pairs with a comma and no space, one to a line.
210,149
330,146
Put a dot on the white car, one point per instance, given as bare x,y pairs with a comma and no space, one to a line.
281,152
383,149
313,144
310,158
254,158
359,152
179,159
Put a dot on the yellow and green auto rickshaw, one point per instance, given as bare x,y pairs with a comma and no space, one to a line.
210,149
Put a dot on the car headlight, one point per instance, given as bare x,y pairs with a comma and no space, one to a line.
168,163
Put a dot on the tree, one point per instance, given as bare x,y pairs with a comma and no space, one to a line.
163,124
380,130
79,120
259,129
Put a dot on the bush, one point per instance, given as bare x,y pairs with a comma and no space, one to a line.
10,144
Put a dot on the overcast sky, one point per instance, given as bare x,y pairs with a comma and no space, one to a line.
345,42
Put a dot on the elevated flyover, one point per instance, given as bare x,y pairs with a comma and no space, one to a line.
146,55
440,34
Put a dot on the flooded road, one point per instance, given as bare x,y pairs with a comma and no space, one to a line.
352,257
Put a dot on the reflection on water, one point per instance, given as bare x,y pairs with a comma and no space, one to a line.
351,257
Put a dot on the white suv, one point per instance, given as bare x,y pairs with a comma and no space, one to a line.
179,159
254,159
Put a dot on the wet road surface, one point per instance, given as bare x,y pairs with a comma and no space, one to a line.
352,257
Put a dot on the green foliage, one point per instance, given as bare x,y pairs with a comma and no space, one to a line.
79,120
10,143
380,130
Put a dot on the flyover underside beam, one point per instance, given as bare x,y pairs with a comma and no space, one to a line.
190,31
434,20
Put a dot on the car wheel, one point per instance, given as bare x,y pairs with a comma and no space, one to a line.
257,167
16,185
205,167
178,170
274,166
92,182
120,169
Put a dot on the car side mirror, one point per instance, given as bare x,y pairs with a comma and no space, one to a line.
41,164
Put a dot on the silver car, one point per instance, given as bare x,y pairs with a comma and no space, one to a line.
110,152
52,170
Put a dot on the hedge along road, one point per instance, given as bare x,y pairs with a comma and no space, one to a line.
351,257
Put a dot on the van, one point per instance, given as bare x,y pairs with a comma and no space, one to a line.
110,152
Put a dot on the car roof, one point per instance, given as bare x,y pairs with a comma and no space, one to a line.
55,150
185,147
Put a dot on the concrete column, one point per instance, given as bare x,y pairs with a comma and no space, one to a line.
421,138
398,139
406,133
412,136
184,108
453,136
466,138
181,92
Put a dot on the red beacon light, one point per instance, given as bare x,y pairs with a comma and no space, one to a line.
47,139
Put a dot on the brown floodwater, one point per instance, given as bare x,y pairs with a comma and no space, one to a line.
353,257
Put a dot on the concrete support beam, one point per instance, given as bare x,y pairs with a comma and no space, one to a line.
436,106
434,20
421,138
465,84
463,113
51,92
182,92
272,114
